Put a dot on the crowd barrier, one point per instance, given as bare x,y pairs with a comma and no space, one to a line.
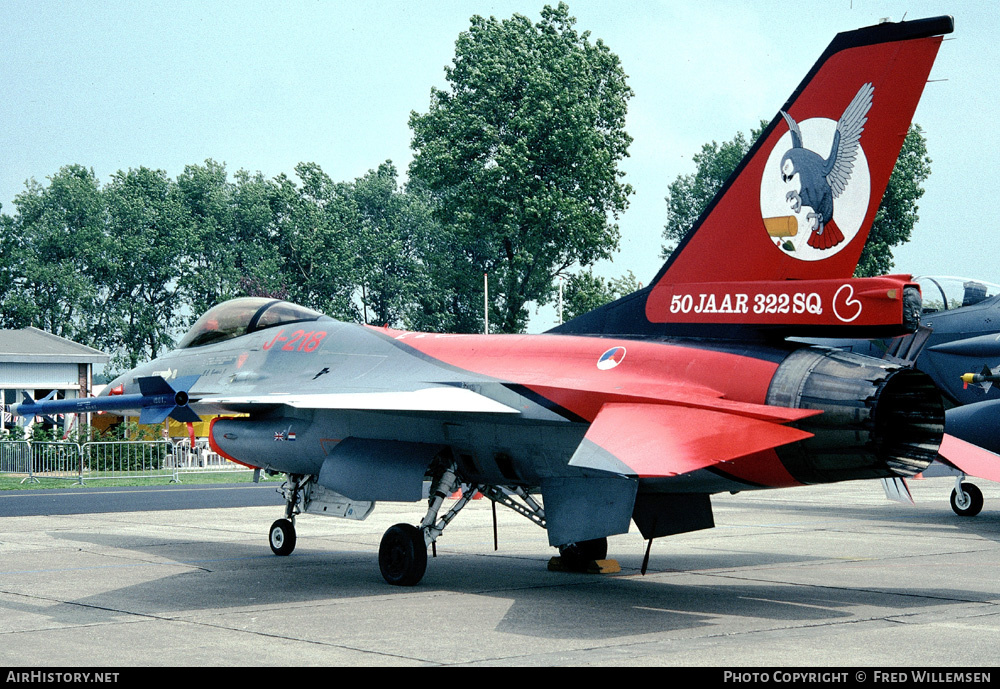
116,460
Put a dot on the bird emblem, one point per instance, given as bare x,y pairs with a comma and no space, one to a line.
821,180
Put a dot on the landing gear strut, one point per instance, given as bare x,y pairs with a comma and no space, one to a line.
402,555
281,538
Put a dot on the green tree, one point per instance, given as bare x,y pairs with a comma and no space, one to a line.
317,231
54,256
688,195
231,232
897,213
209,273
521,158
150,238
389,273
256,236
585,292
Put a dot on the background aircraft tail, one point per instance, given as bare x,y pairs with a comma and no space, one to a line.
799,205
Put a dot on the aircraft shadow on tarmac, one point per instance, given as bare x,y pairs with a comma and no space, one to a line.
230,576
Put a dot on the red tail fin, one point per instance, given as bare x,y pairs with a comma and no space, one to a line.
800,204
827,156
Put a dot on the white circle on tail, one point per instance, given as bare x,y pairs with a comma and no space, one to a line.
790,231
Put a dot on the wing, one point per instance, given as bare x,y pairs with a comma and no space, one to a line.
847,140
441,398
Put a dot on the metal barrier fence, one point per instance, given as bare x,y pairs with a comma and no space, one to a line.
55,460
15,457
109,460
132,459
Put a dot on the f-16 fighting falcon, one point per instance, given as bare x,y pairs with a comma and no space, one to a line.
636,412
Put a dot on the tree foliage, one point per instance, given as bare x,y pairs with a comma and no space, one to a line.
585,292
520,156
688,195
392,239
897,213
515,175
54,254
147,240
127,266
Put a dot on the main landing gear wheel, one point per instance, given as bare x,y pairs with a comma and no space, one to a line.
578,555
402,555
282,537
969,502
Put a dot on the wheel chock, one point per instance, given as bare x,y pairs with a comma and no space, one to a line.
557,564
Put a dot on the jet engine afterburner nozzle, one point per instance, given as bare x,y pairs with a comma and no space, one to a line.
879,420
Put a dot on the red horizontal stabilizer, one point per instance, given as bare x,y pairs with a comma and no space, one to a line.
970,459
653,440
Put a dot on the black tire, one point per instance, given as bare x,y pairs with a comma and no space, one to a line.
971,503
282,537
579,554
402,555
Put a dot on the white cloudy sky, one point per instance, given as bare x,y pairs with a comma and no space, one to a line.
266,85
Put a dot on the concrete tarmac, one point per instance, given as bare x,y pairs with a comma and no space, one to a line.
829,576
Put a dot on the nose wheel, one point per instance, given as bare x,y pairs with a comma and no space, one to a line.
282,537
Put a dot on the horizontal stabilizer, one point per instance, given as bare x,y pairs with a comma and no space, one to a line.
970,459
444,398
650,440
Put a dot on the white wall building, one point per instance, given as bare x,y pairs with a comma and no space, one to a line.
37,362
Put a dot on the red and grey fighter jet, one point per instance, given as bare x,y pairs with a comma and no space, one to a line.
638,411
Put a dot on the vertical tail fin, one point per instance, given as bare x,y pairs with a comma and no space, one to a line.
800,204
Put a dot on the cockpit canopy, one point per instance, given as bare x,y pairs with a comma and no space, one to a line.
243,316
942,293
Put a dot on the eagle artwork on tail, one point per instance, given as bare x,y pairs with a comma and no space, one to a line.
821,181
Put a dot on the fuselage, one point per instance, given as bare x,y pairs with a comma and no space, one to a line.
553,385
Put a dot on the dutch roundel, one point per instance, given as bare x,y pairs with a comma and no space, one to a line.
611,358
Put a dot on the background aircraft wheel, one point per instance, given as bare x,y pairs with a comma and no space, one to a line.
969,503
580,553
282,537
402,555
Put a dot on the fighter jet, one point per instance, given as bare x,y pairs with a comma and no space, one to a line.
958,346
636,412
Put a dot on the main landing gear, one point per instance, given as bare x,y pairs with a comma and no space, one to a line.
402,555
577,556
